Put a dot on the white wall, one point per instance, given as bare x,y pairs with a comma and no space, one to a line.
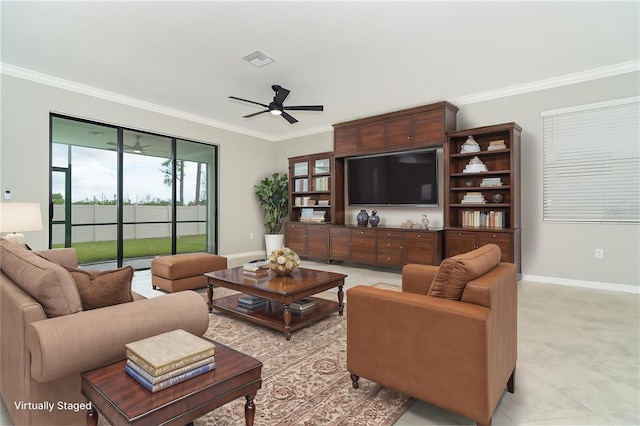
550,251
24,155
557,251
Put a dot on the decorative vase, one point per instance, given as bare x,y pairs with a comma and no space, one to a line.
362,218
374,219
273,242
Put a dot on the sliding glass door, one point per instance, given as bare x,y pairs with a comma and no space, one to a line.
121,196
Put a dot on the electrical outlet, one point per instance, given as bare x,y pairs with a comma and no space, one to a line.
599,253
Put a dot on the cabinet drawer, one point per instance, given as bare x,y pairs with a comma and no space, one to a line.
427,236
343,231
390,258
389,244
389,234
367,256
364,233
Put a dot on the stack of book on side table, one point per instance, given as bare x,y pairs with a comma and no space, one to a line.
167,359
251,303
301,306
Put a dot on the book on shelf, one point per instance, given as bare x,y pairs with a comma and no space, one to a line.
473,198
155,387
491,182
322,183
301,185
496,145
178,371
483,219
168,351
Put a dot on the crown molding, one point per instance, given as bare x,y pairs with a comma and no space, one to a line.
580,77
48,80
565,80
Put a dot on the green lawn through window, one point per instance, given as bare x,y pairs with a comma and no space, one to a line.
102,251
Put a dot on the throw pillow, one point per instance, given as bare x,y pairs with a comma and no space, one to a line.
103,288
455,272
49,284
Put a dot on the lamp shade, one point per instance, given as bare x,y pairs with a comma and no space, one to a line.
20,217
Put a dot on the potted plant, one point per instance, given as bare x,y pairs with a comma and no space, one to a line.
273,194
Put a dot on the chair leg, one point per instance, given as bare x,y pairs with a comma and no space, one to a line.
511,384
355,379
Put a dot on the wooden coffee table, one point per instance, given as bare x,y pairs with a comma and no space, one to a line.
122,400
280,292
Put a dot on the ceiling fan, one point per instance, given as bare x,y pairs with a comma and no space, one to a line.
276,107
136,148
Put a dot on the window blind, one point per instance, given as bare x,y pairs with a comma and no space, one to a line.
591,162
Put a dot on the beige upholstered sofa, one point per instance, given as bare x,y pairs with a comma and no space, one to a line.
449,338
47,339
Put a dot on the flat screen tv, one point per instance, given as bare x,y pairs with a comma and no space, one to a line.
400,179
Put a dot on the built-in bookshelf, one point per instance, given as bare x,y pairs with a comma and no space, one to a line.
316,191
482,190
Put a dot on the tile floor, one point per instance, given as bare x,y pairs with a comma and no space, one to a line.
578,356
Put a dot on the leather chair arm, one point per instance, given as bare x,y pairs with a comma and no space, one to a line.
417,278
90,339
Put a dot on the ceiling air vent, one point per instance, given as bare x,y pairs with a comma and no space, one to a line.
258,58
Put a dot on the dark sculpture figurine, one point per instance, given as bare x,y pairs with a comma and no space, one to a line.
374,219
362,218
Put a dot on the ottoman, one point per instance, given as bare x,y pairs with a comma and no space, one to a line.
184,271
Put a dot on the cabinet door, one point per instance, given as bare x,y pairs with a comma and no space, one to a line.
371,137
428,128
398,133
502,240
345,141
363,246
339,244
421,248
318,241
296,238
458,242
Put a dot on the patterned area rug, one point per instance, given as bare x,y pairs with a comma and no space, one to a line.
304,380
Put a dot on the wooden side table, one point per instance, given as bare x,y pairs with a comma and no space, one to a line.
122,400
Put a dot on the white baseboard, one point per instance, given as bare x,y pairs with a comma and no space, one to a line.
623,288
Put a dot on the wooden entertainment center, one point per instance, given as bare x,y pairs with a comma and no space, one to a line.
317,227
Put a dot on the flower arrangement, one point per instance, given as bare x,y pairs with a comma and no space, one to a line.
283,260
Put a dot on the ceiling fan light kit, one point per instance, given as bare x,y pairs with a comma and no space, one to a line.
276,107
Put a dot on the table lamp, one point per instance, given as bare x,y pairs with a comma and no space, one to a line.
19,217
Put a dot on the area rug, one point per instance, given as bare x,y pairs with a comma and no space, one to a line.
304,380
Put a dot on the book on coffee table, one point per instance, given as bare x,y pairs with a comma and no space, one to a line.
155,387
168,351
302,305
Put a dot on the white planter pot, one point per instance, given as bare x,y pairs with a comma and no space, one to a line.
273,242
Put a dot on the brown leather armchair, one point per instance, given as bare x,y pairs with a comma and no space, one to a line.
449,338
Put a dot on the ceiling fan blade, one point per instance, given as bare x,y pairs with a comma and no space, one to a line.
246,100
289,118
305,108
255,113
281,95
